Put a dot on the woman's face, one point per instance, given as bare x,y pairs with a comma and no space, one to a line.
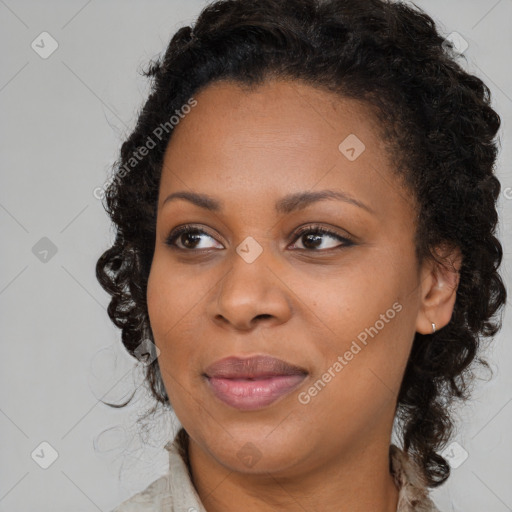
343,307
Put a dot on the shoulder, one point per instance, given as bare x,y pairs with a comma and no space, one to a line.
410,480
154,498
172,492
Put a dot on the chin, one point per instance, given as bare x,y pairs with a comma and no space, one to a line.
256,450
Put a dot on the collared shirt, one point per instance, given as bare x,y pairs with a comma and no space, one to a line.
175,492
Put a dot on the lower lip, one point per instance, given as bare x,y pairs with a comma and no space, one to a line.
248,395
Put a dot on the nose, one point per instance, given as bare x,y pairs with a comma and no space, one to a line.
251,294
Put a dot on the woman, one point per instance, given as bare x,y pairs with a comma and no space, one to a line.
305,219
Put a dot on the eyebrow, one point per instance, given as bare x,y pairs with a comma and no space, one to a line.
285,205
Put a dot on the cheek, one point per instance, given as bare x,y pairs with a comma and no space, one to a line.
348,301
173,299
165,309
362,369
176,305
366,314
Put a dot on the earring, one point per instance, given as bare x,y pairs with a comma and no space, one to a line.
433,328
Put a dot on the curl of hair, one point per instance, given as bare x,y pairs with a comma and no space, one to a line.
440,130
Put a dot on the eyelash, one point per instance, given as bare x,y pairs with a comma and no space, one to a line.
346,242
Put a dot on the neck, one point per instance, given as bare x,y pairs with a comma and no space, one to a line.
356,481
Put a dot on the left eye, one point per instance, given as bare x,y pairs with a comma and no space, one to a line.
315,234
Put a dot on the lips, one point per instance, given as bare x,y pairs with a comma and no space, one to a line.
252,383
258,367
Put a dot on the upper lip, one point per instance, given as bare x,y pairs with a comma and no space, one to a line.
252,367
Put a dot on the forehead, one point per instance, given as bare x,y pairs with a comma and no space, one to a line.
280,137
282,114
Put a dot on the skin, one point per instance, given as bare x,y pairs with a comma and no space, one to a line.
301,301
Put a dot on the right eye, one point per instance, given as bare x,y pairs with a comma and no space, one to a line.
189,236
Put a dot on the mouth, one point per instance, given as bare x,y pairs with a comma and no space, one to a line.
252,383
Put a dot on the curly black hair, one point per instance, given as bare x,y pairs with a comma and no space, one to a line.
436,118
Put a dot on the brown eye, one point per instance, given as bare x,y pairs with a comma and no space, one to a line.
314,236
189,237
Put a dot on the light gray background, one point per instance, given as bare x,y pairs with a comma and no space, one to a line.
63,119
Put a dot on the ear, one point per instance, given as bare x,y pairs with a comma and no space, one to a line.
439,283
